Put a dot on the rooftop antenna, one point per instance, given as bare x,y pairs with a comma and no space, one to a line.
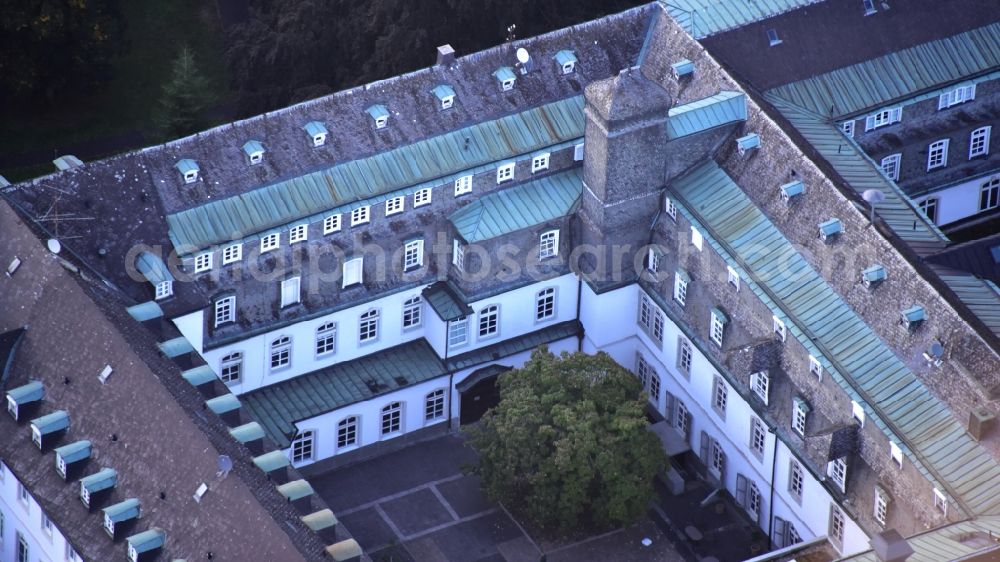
873,197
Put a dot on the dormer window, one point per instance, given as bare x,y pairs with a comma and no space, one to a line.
379,114
869,7
791,190
254,151
912,317
829,230
872,276
772,37
188,169
505,77
959,95
120,513
164,289
317,132
445,95
203,262
747,143
682,68
30,393
566,61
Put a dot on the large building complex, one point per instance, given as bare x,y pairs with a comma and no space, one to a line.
351,274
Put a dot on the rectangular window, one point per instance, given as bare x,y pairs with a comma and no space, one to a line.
303,445
545,304
360,215
394,205
540,162
548,244
505,172
682,420
458,255
720,395
929,208
653,260
670,208
411,312
979,142
413,255
458,332
881,505
578,152
434,405
940,502
203,262
651,319
848,128
231,369
326,339
937,154
753,501
836,531
281,353
718,327
270,242
463,185
890,165
21,549
959,95
680,287
800,410
883,118
734,278
815,367
392,418
684,356
290,293
989,194
760,384
331,224
837,471
225,310
696,238
422,197
347,432
46,525
896,454
353,271
718,464
795,479
298,233
758,437
772,37
858,413
368,326
164,289
232,253
779,327
22,496
489,321
71,555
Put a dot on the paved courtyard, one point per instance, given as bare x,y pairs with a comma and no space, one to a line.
417,505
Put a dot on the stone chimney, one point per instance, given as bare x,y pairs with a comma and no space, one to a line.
890,546
446,55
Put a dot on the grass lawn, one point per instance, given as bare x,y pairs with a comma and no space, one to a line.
123,110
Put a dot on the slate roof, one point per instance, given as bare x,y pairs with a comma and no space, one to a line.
522,206
847,347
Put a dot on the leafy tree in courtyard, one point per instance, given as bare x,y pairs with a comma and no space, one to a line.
185,97
567,446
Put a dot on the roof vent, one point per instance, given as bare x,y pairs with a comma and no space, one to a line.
829,230
316,131
791,190
13,265
105,373
505,78
97,485
144,545
445,55
890,546
297,493
49,428
912,317
379,114
524,61
24,400
254,151
189,169
747,143
566,60
682,68
120,517
872,276
71,457
66,162
445,95
934,356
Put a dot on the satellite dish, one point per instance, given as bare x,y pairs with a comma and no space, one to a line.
522,55
54,246
225,465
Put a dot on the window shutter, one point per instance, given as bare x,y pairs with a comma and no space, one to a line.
970,92
869,122
943,101
741,490
670,407
722,471
780,530
896,114
687,434
704,448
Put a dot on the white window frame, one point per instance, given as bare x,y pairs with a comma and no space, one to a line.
883,118
760,384
413,255
22,552
881,508
720,396
348,432
422,197
298,233
754,500
979,142
772,37
507,85
858,412
545,304
225,310
940,502
578,152
540,163
800,414
381,121
391,419
779,327
353,272
670,208
815,367
361,215
203,262
796,479
326,339
463,185
733,277
837,471
890,166
680,289
548,244
717,458
164,289
959,95
232,253
685,355
395,205
303,447
653,260
447,102
368,326
270,242
280,353
331,224
458,332
848,128
717,329
231,367
682,419
412,309
458,254
929,208
434,405
489,321
937,154
506,172
291,292
697,239
896,454
989,194
758,437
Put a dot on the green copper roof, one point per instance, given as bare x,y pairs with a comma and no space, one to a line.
314,128
49,423
348,183
377,110
73,452
147,540
31,392
122,511
702,18
253,147
186,165
145,311
278,406
100,480
854,355
505,73
528,204
880,81
564,56
704,114
152,268
956,541
445,301
443,91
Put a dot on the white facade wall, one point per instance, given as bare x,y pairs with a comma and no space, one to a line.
25,518
958,201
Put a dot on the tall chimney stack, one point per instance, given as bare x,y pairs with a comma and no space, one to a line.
890,546
446,55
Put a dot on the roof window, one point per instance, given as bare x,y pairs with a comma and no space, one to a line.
316,131
566,60
98,483
912,317
24,397
748,143
189,169
49,427
872,276
254,151
682,68
829,230
869,7
69,455
143,545
445,95
772,37
505,77
119,514
380,115
791,190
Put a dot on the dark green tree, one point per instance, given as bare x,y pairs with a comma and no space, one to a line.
567,446
185,97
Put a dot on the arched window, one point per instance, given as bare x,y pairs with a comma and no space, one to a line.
303,446
368,326
232,367
326,338
347,432
281,353
392,418
411,312
434,405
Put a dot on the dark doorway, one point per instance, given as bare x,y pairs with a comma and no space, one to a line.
479,392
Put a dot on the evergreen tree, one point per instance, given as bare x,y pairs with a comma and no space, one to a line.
567,447
186,95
